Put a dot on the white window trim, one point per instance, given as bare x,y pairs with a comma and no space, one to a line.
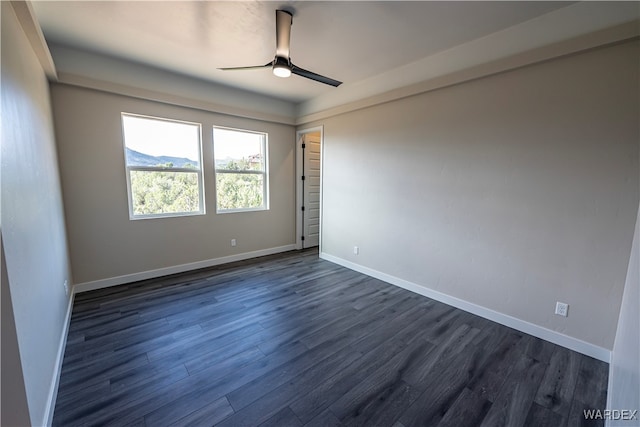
264,173
128,169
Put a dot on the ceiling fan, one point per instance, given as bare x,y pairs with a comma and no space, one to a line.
281,64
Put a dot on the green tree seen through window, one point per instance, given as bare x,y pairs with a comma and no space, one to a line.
241,170
155,192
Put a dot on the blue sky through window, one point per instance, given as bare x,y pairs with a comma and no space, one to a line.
162,137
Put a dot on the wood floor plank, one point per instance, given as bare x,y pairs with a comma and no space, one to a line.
467,410
121,382
541,416
290,339
208,415
117,364
441,354
274,399
495,368
353,326
388,405
577,416
284,418
191,347
236,361
445,381
100,411
86,394
204,387
297,329
325,419
512,405
559,382
306,382
100,354
592,374
308,405
361,403
538,349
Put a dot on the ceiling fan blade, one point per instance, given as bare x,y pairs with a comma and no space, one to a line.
251,67
313,76
284,20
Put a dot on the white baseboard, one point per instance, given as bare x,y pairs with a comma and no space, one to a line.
55,381
566,341
150,274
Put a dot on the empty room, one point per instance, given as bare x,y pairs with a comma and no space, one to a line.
320,213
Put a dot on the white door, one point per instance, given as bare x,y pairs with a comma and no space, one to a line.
311,189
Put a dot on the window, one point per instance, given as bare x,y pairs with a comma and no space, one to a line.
241,170
164,167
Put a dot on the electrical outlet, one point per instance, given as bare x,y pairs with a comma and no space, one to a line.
66,287
562,309
356,250
233,242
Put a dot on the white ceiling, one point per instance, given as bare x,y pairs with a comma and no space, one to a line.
349,41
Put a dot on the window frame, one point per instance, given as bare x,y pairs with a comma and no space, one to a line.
264,172
128,169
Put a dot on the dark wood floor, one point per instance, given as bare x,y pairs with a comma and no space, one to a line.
291,340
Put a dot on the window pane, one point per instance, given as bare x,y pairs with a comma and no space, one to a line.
154,149
239,190
155,142
161,192
241,169
237,150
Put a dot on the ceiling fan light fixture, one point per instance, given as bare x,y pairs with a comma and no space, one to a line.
281,67
281,71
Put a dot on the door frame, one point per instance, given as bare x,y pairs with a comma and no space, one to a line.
299,194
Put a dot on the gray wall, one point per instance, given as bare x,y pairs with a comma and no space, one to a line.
624,380
14,409
33,232
509,192
104,243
